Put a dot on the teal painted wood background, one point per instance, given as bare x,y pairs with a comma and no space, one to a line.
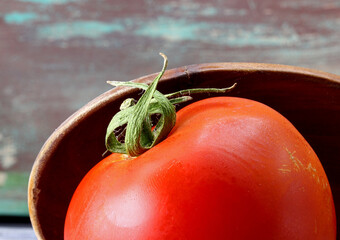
56,55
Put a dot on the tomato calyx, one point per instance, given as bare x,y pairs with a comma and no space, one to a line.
134,118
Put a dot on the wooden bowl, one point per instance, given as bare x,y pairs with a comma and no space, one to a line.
309,99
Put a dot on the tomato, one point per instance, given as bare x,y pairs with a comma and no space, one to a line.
231,168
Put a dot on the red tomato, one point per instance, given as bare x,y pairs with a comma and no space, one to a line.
231,168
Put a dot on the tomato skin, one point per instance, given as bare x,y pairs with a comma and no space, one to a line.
231,168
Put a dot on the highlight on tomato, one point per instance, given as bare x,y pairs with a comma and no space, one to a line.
220,168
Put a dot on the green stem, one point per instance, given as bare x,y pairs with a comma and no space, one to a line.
140,135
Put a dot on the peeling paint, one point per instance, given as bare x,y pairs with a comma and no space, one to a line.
235,12
330,24
8,152
209,11
20,17
190,9
230,34
3,178
48,1
13,198
310,4
252,5
172,29
68,30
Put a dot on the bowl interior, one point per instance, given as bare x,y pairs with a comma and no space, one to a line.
308,98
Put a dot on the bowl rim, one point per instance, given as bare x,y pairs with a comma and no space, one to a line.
67,125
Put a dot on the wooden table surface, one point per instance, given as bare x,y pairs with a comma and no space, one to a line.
56,55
